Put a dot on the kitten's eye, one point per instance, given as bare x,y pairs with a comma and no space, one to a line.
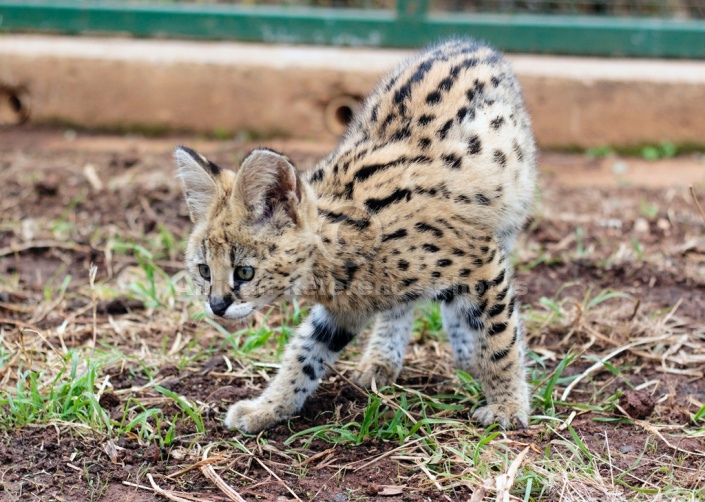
244,273
205,272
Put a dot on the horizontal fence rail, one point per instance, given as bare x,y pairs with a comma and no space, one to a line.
410,24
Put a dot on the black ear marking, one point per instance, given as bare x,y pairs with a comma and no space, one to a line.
206,164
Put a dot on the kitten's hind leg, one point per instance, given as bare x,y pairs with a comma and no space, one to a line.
486,334
317,342
384,353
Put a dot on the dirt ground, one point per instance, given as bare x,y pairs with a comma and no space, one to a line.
626,225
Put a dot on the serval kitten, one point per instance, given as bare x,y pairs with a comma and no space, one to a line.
422,200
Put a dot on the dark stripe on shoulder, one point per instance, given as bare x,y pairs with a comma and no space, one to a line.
398,195
399,234
342,218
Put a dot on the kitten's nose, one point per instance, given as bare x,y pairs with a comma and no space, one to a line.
219,304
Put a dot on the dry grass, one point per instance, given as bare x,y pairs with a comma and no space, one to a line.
118,370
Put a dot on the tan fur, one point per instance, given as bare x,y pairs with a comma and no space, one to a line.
422,199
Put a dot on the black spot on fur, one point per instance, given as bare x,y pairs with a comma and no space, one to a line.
473,317
403,265
482,200
446,84
433,98
309,372
408,282
517,149
461,114
458,252
348,193
497,123
420,159
501,354
436,275
424,227
443,131
444,262
499,279
448,295
431,248
464,199
424,120
500,158
373,115
496,309
401,134
424,143
464,272
474,145
405,90
510,307
317,176
452,161
496,329
490,257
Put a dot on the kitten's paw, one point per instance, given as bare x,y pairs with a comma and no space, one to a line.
509,416
253,416
383,374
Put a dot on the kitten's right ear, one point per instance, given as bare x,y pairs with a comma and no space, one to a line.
199,176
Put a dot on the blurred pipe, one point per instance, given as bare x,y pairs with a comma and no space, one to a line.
14,106
339,113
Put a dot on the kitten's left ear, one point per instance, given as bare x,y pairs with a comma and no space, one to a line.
269,185
199,176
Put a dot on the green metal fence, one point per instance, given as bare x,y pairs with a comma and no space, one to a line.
645,28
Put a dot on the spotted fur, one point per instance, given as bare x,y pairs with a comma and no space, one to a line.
422,200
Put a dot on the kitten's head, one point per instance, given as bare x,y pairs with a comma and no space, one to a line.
253,234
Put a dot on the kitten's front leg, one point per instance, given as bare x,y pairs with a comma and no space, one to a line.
317,341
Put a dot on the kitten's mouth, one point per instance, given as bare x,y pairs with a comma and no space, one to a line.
233,312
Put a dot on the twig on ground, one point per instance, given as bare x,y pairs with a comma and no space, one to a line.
229,491
318,455
697,202
92,271
653,430
273,474
504,482
163,492
599,364
197,465
374,391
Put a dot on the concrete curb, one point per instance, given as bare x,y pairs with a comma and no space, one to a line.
304,92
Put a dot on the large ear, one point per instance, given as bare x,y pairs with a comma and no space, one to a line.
268,184
199,176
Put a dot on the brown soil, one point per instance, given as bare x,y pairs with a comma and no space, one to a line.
647,242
